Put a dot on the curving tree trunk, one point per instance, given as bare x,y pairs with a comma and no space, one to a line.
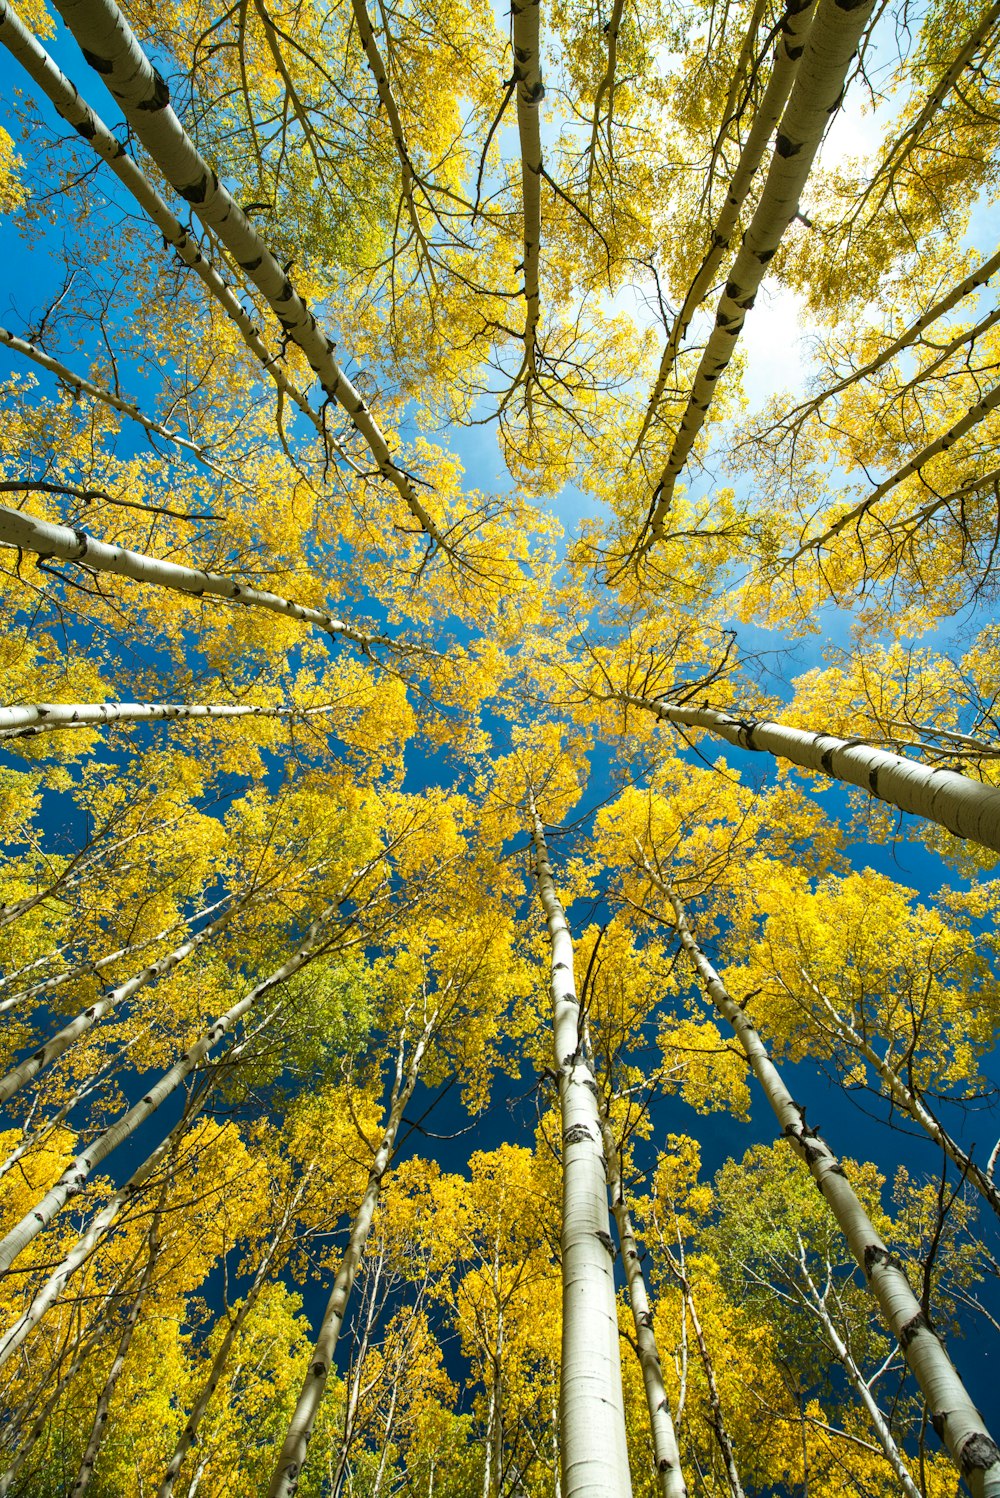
89,127
787,52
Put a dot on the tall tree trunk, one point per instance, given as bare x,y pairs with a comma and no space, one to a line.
74,1178
666,1457
90,128
966,807
83,1349
99,1428
373,1304
285,1478
44,539
787,52
830,44
956,1418
90,1240
594,1452
719,1428
64,1038
88,969
44,717
144,99
530,92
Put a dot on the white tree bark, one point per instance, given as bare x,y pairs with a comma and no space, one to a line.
593,1449
955,1418
830,45
74,109
99,1227
529,94
144,99
43,717
83,969
47,540
81,1352
666,1457
787,52
968,808
285,1478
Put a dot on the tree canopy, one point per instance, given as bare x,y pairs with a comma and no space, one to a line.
499,757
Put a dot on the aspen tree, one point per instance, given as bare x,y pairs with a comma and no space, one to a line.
105,36
529,92
861,1388
29,52
593,1451
317,940
794,27
665,1454
961,1427
830,44
69,1034
100,1425
965,807
285,1479
26,533
367,162
719,1427
45,717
